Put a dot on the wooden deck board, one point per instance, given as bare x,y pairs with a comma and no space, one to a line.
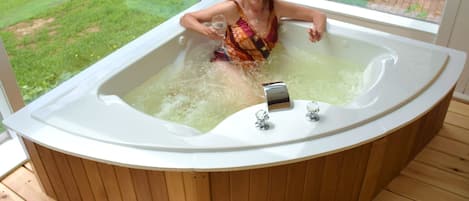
457,119
460,108
385,195
24,183
7,194
439,172
450,147
455,133
417,190
444,162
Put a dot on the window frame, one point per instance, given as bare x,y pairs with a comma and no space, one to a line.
12,150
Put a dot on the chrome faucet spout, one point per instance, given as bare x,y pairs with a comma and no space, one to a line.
276,95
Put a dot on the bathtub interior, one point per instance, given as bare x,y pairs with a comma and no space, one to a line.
190,46
390,67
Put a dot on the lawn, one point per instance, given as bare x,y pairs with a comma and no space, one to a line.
361,3
49,41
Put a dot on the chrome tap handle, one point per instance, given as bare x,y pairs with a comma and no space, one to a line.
313,110
262,116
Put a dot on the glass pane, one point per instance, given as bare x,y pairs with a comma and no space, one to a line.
49,41
2,128
427,10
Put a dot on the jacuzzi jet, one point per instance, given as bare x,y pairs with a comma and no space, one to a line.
276,95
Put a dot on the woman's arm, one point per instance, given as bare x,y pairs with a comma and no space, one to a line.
298,12
194,20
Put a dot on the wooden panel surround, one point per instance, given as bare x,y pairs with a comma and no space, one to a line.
354,174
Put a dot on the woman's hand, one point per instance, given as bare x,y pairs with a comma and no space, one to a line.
315,35
211,33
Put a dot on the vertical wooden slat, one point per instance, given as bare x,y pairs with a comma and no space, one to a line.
141,185
373,169
239,185
278,183
430,127
220,186
393,155
94,178
53,172
110,182
351,171
331,176
158,187
125,183
295,181
411,141
67,176
196,186
442,110
258,184
203,186
313,179
419,138
39,169
78,172
175,184
361,170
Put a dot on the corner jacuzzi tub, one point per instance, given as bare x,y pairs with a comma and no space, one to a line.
393,73
86,128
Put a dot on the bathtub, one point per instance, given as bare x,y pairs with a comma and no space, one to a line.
390,80
397,71
403,82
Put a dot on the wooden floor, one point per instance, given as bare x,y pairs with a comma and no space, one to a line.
439,173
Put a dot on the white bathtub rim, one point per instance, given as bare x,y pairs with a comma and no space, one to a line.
248,159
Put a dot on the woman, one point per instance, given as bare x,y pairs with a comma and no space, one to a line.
252,26
251,35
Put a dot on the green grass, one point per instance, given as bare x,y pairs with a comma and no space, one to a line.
14,11
361,3
2,129
418,10
79,34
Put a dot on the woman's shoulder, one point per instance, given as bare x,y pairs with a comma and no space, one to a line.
230,9
228,4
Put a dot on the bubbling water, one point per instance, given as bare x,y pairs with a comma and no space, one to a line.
202,94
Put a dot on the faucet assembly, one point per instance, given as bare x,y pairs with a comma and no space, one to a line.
277,97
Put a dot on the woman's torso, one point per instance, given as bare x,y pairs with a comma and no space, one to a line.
244,44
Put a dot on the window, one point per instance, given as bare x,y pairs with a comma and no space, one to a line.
50,41
427,10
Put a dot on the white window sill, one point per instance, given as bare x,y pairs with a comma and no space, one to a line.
371,16
12,155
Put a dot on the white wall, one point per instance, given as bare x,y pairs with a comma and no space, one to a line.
454,33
